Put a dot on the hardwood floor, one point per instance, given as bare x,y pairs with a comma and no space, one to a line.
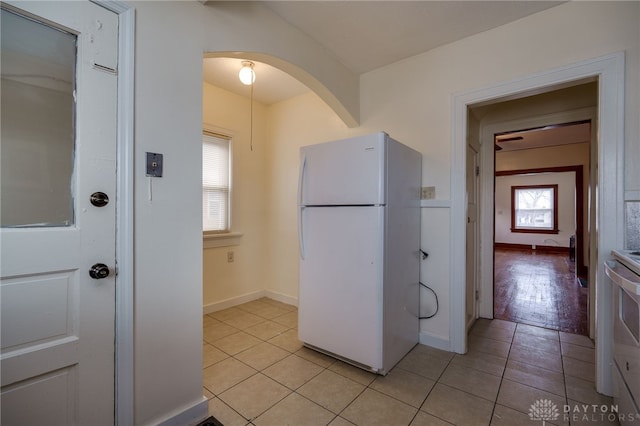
539,289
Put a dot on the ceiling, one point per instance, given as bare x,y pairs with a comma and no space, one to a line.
271,85
365,35
563,134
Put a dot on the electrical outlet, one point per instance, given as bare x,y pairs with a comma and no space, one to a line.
230,257
428,193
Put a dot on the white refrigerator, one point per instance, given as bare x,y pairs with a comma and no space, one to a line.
359,237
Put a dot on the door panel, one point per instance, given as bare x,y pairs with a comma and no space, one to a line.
55,393
42,308
57,356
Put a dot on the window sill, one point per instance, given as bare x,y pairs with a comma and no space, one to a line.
220,239
535,231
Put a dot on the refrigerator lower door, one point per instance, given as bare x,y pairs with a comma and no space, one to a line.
340,300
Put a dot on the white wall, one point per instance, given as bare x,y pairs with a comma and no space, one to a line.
168,228
171,38
419,111
566,209
300,121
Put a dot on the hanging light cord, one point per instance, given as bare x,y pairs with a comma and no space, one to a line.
251,120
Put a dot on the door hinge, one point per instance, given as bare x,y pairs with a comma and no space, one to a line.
477,294
477,170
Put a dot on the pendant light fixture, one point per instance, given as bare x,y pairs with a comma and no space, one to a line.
247,75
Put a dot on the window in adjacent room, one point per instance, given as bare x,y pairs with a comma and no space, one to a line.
534,209
216,182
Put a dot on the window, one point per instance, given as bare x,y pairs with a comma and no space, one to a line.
534,209
216,182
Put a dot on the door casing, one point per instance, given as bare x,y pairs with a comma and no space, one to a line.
609,72
124,409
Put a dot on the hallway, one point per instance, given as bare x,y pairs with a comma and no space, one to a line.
539,289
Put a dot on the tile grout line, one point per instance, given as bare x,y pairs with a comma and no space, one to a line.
433,387
256,371
495,403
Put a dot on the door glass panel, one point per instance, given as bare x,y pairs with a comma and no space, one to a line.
38,131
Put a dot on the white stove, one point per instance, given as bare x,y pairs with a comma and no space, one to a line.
624,273
629,258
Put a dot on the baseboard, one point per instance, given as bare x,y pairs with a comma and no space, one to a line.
189,416
239,300
528,247
233,301
284,298
434,341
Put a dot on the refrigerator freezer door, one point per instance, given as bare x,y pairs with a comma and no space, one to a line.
346,172
340,300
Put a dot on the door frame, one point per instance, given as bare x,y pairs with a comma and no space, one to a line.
609,72
124,303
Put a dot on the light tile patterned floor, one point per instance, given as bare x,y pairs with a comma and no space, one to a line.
256,372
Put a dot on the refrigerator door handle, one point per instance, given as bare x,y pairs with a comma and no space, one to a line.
303,166
301,233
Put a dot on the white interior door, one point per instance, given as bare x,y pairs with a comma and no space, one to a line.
58,148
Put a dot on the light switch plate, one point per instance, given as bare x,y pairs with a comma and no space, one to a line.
154,164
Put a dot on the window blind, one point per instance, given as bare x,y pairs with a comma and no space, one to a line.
216,182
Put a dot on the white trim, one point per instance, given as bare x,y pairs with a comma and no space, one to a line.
632,195
445,204
610,71
433,340
124,303
248,297
457,213
187,416
220,239
233,301
289,300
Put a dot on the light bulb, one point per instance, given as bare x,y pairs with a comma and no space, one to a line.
247,74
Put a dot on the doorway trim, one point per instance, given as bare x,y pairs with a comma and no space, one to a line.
124,303
609,71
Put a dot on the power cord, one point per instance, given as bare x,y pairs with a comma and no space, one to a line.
437,304
424,256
